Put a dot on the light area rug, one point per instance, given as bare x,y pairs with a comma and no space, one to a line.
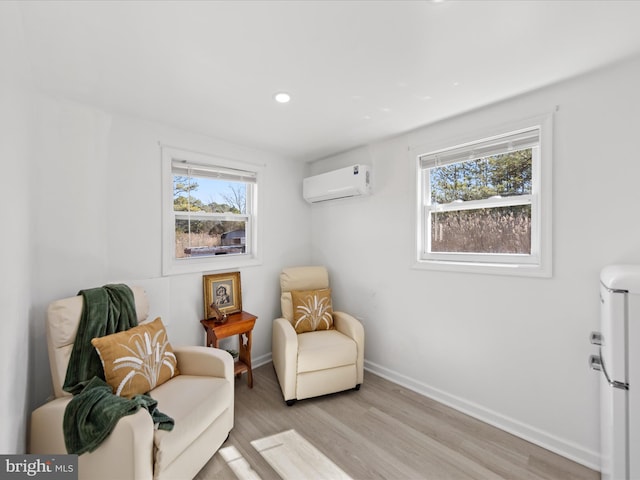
290,455
239,466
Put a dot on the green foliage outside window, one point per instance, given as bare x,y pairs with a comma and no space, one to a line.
194,233
499,175
484,230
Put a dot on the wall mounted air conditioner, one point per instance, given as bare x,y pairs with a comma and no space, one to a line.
351,181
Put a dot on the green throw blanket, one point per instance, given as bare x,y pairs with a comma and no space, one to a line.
94,411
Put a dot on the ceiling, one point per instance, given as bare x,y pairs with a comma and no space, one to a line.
357,71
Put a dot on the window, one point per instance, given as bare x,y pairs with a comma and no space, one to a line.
483,205
210,212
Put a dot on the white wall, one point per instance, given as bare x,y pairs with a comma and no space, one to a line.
97,219
68,214
15,118
510,350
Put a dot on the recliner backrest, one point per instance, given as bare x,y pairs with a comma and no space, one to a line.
300,278
63,317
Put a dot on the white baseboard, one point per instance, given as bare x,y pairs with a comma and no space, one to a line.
261,360
546,440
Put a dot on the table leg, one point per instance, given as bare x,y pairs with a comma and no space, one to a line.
244,354
212,340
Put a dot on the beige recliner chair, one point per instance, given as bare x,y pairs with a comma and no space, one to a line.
200,400
316,362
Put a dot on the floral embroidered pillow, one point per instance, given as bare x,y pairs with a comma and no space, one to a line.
312,310
137,360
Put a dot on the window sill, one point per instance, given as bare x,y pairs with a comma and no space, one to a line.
519,270
209,264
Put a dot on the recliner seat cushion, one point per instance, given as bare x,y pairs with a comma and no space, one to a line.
194,403
325,349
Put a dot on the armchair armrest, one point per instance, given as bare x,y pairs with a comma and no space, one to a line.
284,353
46,427
126,453
204,361
352,328
349,325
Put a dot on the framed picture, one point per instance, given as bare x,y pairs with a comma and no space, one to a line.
223,290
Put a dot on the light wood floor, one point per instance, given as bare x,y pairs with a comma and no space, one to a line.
385,431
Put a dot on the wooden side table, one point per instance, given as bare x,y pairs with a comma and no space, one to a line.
240,324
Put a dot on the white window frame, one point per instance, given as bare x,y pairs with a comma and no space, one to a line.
173,158
489,142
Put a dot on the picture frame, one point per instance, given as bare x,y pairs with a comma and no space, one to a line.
223,290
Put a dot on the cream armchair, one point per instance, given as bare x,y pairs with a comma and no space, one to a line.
320,362
200,400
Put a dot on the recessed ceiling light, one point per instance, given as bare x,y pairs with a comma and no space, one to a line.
282,97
